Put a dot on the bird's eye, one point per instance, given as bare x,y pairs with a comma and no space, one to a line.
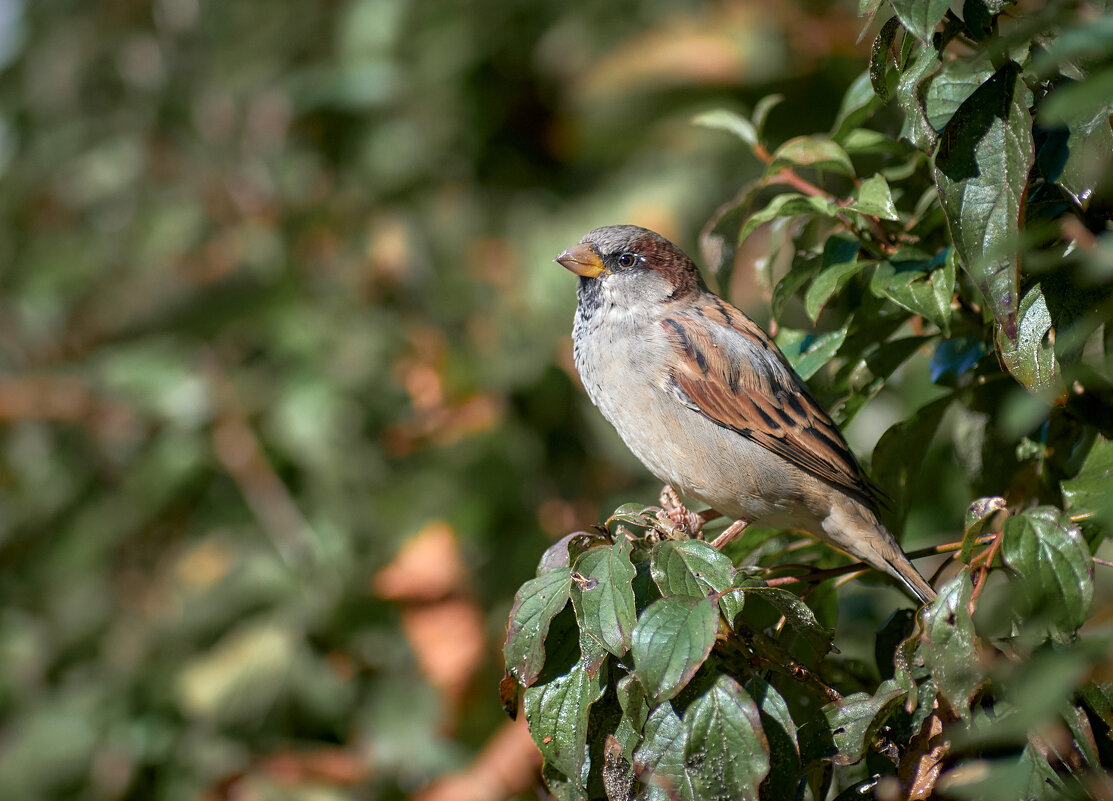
627,260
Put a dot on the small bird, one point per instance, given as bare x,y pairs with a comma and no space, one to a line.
710,405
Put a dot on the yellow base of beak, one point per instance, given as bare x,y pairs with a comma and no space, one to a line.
582,260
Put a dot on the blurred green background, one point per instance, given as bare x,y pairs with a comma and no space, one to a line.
277,299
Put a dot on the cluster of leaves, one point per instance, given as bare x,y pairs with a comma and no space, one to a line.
656,668
958,208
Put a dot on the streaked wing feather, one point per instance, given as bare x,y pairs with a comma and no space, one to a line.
765,402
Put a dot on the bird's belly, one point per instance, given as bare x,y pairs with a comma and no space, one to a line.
714,465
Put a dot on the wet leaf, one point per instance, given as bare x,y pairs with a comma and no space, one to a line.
672,639
949,645
605,604
726,749
1047,553
536,603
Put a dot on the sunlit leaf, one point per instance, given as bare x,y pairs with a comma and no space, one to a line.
603,595
726,749
536,603
671,640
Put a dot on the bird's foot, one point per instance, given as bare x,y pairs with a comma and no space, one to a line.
677,513
730,533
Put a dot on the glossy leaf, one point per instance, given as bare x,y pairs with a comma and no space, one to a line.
672,639
536,603
921,286
979,515
726,749
949,645
797,614
1049,557
920,17
855,720
874,198
981,170
913,80
1029,352
557,713
689,567
879,57
604,597
660,758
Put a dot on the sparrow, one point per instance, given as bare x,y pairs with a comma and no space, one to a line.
710,405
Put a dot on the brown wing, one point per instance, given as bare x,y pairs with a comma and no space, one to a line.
731,372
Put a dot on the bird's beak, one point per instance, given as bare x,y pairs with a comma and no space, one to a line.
582,260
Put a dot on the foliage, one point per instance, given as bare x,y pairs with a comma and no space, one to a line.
958,206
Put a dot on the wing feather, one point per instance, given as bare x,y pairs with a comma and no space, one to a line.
763,400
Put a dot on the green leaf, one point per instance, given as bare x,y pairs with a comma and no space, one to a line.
726,749
557,713
1071,103
894,471
724,120
879,57
689,567
1089,491
536,603
635,711
801,271
1028,351
858,104
827,283
797,614
604,596
761,112
923,287
978,517
1047,553
660,758
981,169
948,644
780,731
1089,147
811,151
807,352
632,514
873,198
672,639
855,721
910,97
789,204
957,80
920,17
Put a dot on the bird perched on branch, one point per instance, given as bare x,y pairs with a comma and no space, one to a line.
710,405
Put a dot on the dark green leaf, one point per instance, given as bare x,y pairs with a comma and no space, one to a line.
780,731
1029,352
660,758
855,720
923,287
981,170
1047,553
858,104
671,640
879,57
949,646
895,471
957,80
632,514
635,711
536,603
689,567
557,713
811,151
802,269
1089,491
797,614
920,17
604,595
726,750
910,88
828,283
874,198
